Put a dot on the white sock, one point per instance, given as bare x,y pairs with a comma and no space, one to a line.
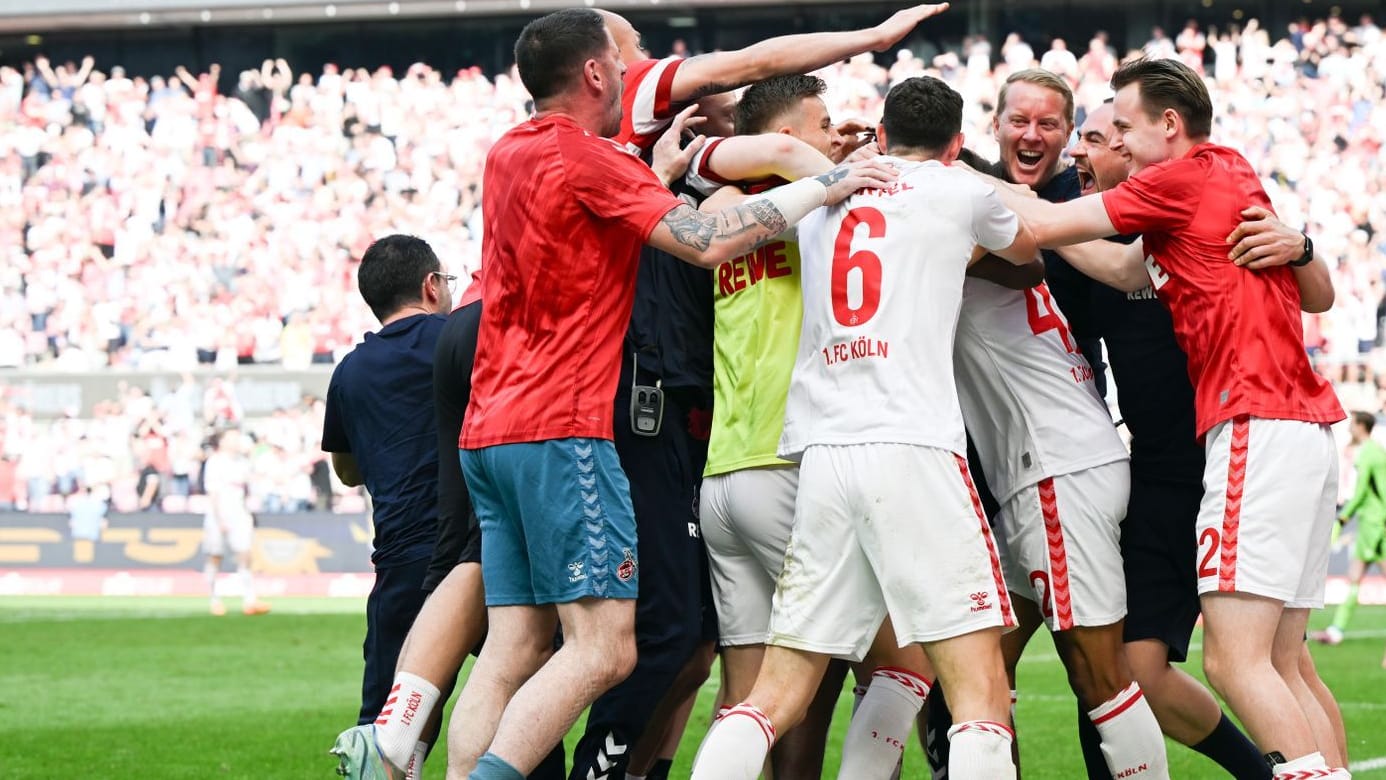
414,770
877,734
402,719
1132,741
630,776
247,584
1307,766
209,573
736,745
980,750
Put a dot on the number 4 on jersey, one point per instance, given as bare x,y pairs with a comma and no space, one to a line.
1045,316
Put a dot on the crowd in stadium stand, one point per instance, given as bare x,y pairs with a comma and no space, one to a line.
163,225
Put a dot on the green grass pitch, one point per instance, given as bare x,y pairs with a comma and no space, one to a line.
155,688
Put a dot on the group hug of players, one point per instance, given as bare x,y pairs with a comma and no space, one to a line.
892,310
909,337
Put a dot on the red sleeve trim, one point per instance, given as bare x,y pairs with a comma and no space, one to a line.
664,91
705,169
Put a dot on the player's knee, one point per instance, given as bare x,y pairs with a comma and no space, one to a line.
612,661
1219,669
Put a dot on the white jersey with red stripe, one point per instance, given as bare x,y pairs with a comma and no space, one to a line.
701,176
882,284
1027,392
647,107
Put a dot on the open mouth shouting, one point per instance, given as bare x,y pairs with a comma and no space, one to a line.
1029,166
1087,183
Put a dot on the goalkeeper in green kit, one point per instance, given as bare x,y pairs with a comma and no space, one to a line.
1368,505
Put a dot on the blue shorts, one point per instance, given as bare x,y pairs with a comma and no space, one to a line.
556,521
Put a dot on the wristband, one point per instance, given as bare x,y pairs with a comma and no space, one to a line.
794,201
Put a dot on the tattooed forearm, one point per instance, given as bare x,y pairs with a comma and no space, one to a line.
767,215
832,177
691,227
698,230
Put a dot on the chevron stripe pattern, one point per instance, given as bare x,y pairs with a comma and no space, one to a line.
1059,591
593,519
1002,595
385,712
1232,510
906,679
1307,774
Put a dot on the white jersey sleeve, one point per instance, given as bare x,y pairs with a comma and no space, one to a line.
1027,392
993,225
882,277
700,176
647,104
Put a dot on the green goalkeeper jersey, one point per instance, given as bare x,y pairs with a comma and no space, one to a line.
1368,502
758,311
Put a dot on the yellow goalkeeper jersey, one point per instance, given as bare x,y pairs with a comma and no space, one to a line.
758,313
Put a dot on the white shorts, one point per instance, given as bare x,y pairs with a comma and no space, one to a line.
1269,499
237,536
1060,543
746,517
886,529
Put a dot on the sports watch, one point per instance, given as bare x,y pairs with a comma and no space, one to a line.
1308,256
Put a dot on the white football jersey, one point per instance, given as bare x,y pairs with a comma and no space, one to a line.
882,276
1027,392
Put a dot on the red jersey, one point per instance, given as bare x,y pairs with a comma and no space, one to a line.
565,215
646,105
1241,329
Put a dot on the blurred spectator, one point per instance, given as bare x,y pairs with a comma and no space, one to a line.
156,224
87,515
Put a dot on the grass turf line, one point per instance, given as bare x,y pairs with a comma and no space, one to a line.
156,688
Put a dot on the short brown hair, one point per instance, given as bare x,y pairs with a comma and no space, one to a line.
766,101
1169,84
1365,419
1040,78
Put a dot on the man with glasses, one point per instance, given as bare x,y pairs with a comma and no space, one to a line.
381,429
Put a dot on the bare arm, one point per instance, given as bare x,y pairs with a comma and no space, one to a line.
1057,224
710,239
754,157
186,77
344,464
1120,266
709,74
1263,241
45,70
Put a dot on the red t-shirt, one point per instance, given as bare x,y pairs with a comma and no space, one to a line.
1240,329
565,215
646,105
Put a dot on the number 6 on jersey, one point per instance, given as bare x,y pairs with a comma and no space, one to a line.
864,261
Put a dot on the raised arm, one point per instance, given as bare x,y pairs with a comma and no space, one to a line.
755,157
1263,241
710,239
720,71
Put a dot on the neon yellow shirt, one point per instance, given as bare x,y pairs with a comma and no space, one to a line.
758,312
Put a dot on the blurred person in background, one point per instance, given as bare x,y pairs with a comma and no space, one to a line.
1368,506
228,525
